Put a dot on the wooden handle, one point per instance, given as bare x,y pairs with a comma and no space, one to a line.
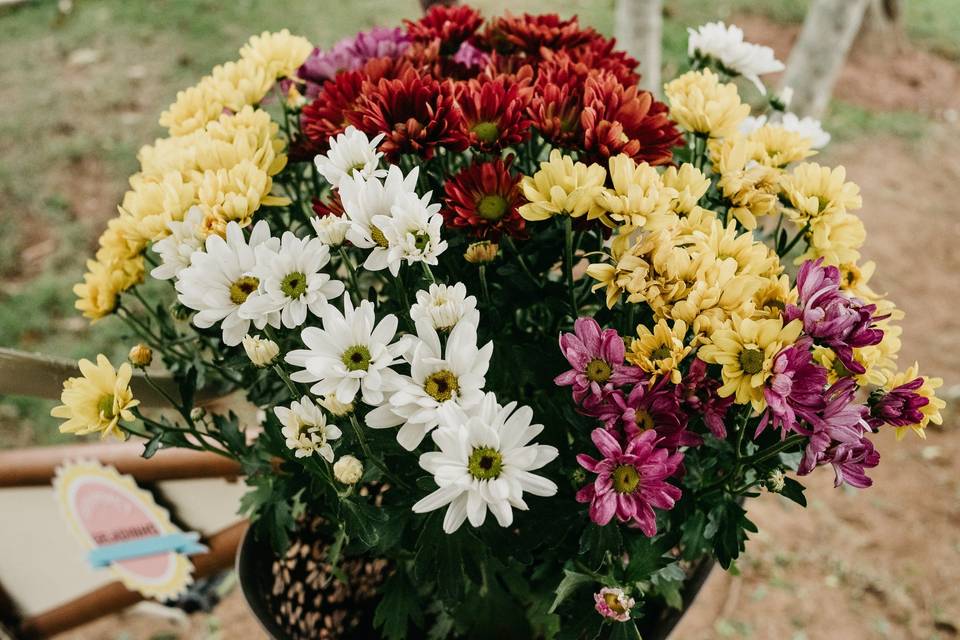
35,466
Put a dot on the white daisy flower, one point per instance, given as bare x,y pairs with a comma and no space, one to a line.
349,355
438,377
351,154
444,306
725,46
220,279
365,199
485,462
807,127
291,281
331,229
306,430
412,231
175,250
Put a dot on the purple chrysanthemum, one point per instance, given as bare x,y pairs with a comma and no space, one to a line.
470,56
830,316
646,407
597,358
698,392
899,407
630,480
794,391
349,54
839,438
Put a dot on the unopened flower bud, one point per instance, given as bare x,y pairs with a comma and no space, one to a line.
197,413
348,470
334,406
481,252
776,481
261,352
140,355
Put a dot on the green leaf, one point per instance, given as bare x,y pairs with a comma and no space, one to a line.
152,445
229,428
572,580
399,606
668,582
596,541
727,527
646,557
793,490
625,631
694,539
188,387
363,521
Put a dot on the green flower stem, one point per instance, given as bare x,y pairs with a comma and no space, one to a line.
352,274
568,263
785,250
294,393
522,262
483,284
428,272
201,437
377,462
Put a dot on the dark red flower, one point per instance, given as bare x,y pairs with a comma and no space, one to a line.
494,114
484,198
331,207
601,54
527,34
450,25
326,116
617,119
417,114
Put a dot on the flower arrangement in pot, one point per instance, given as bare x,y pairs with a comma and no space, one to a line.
524,337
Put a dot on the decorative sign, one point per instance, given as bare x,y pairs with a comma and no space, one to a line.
124,529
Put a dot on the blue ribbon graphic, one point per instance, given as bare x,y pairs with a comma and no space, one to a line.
184,543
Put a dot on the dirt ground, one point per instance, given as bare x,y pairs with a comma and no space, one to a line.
876,564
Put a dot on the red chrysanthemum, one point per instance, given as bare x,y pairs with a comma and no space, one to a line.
494,114
331,207
528,33
555,111
417,114
601,54
617,120
326,116
450,25
484,198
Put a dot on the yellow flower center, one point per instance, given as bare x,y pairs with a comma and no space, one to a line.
294,285
643,419
485,463
356,358
492,207
751,361
625,479
660,353
441,385
613,601
357,166
486,131
598,371
242,287
105,407
420,241
377,235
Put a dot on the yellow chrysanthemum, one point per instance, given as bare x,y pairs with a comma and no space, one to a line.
659,352
249,134
242,83
816,192
193,108
746,350
98,401
751,188
724,243
638,198
772,297
97,295
779,146
280,53
689,183
562,187
930,411
700,103
836,238
698,219
235,195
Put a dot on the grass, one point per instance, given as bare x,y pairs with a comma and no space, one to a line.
81,92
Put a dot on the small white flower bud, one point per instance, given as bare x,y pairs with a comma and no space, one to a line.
335,407
348,470
776,481
261,352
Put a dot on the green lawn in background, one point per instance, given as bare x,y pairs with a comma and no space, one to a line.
81,92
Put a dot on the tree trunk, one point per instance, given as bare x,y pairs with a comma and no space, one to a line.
819,53
883,29
426,4
638,25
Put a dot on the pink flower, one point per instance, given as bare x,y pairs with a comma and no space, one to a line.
646,407
830,316
630,481
899,407
795,390
698,391
614,604
597,358
839,438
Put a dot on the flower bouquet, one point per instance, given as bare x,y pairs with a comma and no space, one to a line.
523,337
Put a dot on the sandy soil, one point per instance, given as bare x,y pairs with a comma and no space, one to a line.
883,563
